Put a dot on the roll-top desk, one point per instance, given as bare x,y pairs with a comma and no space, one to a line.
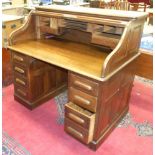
90,52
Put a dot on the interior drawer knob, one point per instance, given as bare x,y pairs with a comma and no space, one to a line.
13,26
19,70
81,100
76,118
75,132
82,85
16,57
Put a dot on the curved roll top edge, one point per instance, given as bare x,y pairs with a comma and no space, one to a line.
13,36
126,50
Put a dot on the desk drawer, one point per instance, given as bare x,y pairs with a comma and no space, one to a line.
80,116
18,80
84,84
22,92
77,131
19,58
82,99
19,69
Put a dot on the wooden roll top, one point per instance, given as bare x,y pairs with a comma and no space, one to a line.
93,42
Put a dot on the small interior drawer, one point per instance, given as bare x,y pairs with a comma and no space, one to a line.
109,40
19,58
83,84
79,115
77,131
82,99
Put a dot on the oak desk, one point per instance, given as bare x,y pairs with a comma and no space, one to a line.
90,52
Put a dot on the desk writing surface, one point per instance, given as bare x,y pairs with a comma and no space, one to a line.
83,59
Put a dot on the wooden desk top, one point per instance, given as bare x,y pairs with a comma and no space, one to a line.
117,14
9,18
83,59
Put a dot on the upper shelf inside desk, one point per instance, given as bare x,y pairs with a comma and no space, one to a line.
84,59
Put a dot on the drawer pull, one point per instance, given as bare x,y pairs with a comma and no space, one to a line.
83,85
20,81
3,26
75,133
19,70
21,92
13,26
76,118
82,100
16,57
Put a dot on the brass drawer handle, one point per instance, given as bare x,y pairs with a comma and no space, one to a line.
16,57
83,85
76,118
21,92
82,100
20,81
19,70
75,133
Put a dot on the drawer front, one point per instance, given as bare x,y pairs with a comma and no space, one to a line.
18,80
19,69
21,92
82,99
19,58
76,131
83,84
78,115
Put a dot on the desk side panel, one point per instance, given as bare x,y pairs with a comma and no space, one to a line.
25,32
113,103
127,48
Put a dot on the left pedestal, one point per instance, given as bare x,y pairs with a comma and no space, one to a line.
36,81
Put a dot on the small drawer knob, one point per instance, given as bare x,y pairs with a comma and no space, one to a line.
20,81
16,57
81,100
13,26
21,92
75,132
3,26
76,118
83,85
19,70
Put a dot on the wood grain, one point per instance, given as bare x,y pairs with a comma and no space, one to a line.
84,59
32,80
144,64
128,15
7,76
